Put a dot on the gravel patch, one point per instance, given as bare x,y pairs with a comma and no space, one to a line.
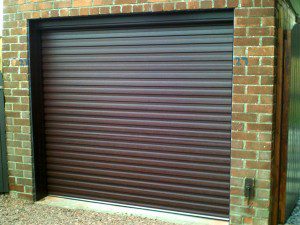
19,212
295,216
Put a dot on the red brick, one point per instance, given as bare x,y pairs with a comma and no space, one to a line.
236,200
126,8
262,146
20,166
240,31
181,5
62,4
236,219
45,5
244,136
244,117
261,51
261,70
261,89
232,3
262,31
94,11
268,61
268,41
206,4
54,13
84,11
246,3
104,10
237,126
262,12
265,118
261,203
259,108
247,22
246,41
253,61
103,2
246,80
18,188
241,12
238,107
115,9
239,89
245,98
248,220
193,5
243,154
265,137
120,2
270,3
267,99
259,127
27,7
63,12
258,165
158,7
137,8
169,6
268,21
82,3
147,7
239,51
235,144
236,163
236,191
219,3
74,12
242,173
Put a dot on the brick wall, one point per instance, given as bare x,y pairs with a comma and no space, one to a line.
253,80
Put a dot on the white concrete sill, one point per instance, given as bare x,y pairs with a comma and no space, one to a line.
140,212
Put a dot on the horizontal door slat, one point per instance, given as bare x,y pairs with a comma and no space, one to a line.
140,138
157,178
206,150
138,114
138,183
209,175
220,168
199,48
144,41
142,122
120,189
131,106
143,99
142,32
142,66
152,75
140,130
176,57
164,155
136,83
223,92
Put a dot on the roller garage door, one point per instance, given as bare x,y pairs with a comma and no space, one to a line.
140,113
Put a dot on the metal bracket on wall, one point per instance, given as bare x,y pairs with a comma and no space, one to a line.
3,157
249,189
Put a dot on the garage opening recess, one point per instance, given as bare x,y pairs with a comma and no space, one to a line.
134,109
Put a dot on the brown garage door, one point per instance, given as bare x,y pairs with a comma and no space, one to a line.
140,115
